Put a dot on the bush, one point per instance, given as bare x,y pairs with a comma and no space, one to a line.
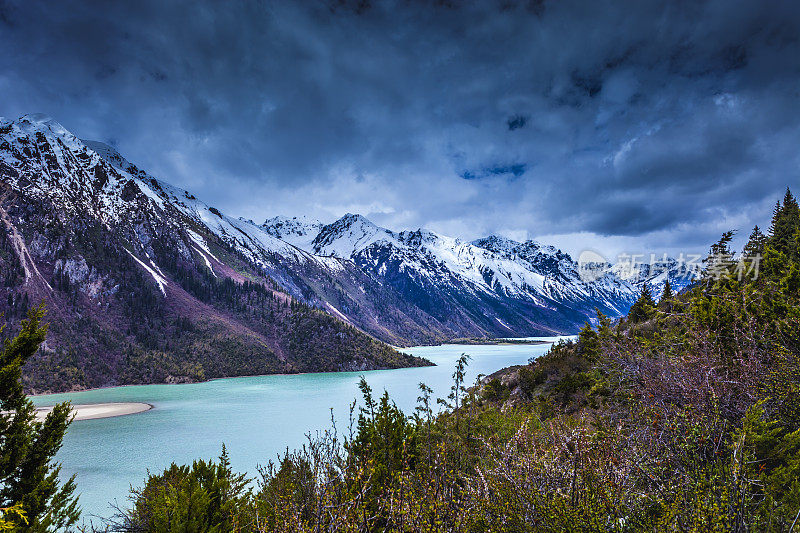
206,497
494,391
530,378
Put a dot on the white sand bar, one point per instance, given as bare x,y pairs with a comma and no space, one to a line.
99,410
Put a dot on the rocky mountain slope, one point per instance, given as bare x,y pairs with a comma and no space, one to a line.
143,283
656,271
517,289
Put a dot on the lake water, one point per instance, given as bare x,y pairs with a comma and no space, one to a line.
256,417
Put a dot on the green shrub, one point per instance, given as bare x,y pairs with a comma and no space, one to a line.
205,497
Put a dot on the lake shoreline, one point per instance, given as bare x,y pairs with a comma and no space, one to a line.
453,342
496,342
96,411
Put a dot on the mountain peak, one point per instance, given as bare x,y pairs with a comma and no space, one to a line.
348,235
43,123
496,243
39,122
356,222
37,118
526,250
354,218
297,231
281,221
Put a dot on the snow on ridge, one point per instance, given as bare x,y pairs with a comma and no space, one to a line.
254,241
205,258
41,123
245,236
62,168
110,155
349,235
297,231
514,269
655,272
162,282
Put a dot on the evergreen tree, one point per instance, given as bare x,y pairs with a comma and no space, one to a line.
384,447
666,299
604,331
424,415
589,342
785,230
28,478
644,307
205,497
755,244
719,263
457,390
666,294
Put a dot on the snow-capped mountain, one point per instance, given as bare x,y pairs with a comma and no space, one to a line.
493,267
562,279
82,220
298,231
656,271
145,283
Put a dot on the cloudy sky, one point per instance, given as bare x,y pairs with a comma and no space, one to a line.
638,125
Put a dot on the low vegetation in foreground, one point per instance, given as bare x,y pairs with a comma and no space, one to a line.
685,416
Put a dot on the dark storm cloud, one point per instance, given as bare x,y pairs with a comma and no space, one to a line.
507,171
516,122
658,121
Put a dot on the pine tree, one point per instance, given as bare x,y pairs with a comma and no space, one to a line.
424,415
457,390
719,263
28,477
666,294
205,497
776,213
785,230
755,244
604,330
666,300
589,342
790,202
644,306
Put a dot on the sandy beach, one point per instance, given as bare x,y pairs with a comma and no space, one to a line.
99,410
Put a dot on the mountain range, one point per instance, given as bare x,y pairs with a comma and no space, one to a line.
144,282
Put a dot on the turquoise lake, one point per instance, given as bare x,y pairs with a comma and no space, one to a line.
256,417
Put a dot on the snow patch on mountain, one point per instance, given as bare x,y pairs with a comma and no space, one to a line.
159,278
297,231
348,235
656,271
201,243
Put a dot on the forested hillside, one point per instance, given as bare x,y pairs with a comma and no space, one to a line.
683,416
